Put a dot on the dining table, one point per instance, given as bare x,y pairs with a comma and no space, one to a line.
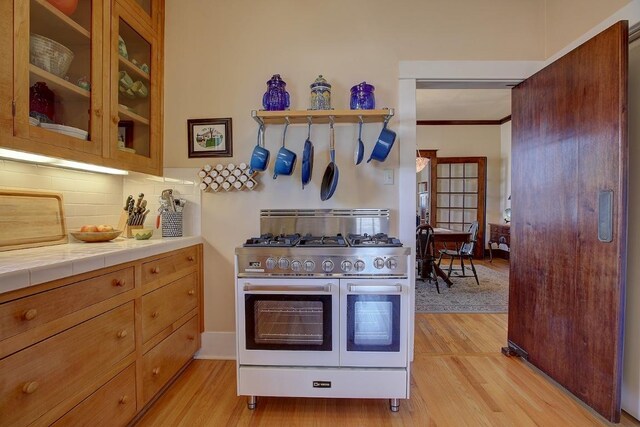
445,235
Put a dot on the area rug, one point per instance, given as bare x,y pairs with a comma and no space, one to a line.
465,296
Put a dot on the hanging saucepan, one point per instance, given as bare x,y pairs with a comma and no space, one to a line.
330,177
384,144
286,160
260,156
307,159
358,155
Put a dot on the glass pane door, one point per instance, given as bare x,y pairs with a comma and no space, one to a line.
373,323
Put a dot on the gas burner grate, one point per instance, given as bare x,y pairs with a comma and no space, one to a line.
377,240
270,240
310,241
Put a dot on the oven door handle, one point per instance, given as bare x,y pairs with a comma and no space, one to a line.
375,289
248,287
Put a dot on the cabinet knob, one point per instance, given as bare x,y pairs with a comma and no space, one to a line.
122,333
191,337
119,282
155,314
191,292
155,371
190,258
30,314
30,387
124,399
115,120
98,112
155,270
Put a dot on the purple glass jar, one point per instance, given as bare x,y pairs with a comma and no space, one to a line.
362,97
276,98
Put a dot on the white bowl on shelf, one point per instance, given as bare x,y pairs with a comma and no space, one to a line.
66,130
49,55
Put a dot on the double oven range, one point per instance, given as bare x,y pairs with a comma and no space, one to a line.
322,307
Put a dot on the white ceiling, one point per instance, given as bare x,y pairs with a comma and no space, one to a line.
463,104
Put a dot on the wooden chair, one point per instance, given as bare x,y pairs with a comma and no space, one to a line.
425,255
464,252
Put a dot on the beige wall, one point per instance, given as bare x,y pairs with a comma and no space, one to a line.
219,55
505,165
470,141
566,20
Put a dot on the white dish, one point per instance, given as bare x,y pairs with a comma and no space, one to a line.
66,130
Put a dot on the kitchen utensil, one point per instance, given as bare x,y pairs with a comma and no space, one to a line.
307,158
260,155
139,89
331,174
362,97
122,48
171,224
384,144
276,98
358,155
286,160
320,94
49,55
124,80
95,236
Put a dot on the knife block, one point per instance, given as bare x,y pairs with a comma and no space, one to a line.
127,230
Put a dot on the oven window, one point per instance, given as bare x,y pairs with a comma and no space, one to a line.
373,323
288,322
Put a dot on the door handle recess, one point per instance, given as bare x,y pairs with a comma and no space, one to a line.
605,216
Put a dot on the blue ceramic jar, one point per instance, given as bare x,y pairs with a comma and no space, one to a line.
362,97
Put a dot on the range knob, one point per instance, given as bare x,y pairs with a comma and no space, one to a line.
327,265
296,265
378,263
309,265
271,263
392,263
283,263
346,265
359,265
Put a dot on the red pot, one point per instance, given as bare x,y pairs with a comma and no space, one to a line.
65,6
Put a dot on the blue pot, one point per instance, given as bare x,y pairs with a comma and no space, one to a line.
285,162
384,144
260,156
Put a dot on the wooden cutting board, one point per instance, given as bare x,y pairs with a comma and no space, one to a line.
30,219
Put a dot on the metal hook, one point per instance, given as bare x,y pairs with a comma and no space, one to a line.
310,122
360,119
286,125
331,121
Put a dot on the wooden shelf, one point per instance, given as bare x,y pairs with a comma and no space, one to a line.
321,116
62,87
48,21
133,69
133,116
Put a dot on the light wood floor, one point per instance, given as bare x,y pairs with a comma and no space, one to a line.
458,378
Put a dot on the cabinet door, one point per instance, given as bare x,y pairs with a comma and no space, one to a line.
58,89
147,12
134,137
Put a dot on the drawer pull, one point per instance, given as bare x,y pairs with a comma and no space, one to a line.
190,258
124,399
191,292
191,337
155,371
155,270
119,283
30,387
155,314
30,314
122,333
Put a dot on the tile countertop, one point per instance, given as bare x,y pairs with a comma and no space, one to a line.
27,267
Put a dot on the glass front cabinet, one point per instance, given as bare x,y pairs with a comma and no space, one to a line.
86,81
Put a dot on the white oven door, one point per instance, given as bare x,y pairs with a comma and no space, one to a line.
287,322
374,317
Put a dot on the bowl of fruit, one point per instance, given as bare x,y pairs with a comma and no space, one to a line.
96,233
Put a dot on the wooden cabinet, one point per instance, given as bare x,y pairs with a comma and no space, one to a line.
499,235
81,349
62,87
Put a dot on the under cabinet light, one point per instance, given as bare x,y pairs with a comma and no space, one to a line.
51,161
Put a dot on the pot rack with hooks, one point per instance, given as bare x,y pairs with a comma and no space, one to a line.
321,116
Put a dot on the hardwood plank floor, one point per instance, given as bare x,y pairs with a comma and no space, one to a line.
458,378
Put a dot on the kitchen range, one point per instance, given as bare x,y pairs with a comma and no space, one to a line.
322,307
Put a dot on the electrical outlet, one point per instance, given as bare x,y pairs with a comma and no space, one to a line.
387,176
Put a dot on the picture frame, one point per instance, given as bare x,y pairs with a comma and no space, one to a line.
125,134
210,137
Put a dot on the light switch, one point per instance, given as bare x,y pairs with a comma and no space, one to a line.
387,177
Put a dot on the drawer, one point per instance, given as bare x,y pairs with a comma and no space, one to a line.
167,304
112,405
163,361
40,377
161,267
23,314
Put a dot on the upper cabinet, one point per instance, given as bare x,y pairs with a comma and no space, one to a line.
85,82
135,93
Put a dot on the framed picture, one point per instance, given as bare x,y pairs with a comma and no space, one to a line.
125,134
210,137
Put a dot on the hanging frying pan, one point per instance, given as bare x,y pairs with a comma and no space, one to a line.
330,177
307,159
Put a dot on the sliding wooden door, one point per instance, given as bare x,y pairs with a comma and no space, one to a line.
568,235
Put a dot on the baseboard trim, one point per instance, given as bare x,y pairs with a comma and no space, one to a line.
217,345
